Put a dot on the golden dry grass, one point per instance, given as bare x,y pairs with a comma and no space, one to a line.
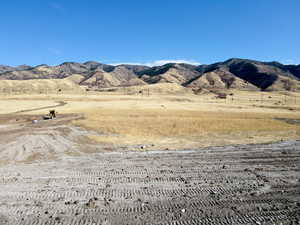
179,122
39,86
196,127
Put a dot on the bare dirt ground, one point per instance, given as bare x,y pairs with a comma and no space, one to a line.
246,184
23,141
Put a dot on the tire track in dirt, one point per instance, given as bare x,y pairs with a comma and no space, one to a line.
174,188
59,104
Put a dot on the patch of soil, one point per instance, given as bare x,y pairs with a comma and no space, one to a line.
289,121
21,140
245,184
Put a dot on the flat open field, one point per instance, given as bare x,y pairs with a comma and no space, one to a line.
95,164
171,121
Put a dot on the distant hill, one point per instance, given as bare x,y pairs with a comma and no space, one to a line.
243,74
39,86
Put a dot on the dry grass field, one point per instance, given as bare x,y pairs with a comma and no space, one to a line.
173,121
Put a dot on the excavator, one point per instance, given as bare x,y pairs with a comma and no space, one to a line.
50,116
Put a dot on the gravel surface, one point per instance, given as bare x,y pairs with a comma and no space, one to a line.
246,184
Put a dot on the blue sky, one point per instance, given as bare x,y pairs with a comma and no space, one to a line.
148,31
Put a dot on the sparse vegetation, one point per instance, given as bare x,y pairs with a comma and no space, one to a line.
173,121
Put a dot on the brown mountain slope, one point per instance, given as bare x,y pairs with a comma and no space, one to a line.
284,83
38,72
120,76
264,75
233,73
220,79
38,86
170,73
75,78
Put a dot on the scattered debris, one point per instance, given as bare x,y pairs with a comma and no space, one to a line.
91,203
221,95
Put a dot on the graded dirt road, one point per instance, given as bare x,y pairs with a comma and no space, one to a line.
246,184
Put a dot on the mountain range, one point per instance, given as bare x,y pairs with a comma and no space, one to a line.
243,74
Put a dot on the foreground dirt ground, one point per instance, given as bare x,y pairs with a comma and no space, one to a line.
246,184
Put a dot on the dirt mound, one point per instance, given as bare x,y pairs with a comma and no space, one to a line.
38,86
29,147
25,141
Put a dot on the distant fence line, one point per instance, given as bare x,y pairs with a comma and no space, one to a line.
263,97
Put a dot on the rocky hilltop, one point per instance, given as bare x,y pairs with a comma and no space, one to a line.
240,74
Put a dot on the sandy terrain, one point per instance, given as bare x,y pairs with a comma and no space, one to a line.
248,184
25,141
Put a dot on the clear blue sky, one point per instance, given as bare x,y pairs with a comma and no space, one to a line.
143,31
